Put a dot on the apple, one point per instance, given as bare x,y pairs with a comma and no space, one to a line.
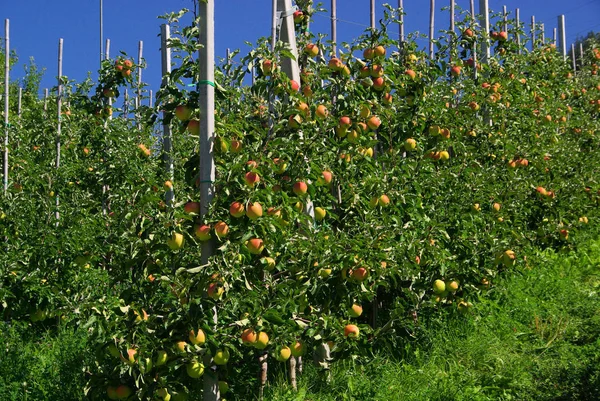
123,392
455,70
254,211
452,286
376,71
223,387
176,241
298,16
283,354
355,310
262,340
268,67
221,356
215,291
324,273
387,98
351,330
564,234
251,178
369,53
183,112
410,144
179,397
268,262
378,84
502,36
237,209
384,200
192,208
236,146
468,33
411,73
222,229
193,127
194,369
180,346
294,121
307,91
496,206
320,213
507,258
445,133
294,85
335,64
444,155
161,358
326,178
111,391
197,339
255,246
202,232
379,51
474,106
108,92
373,123
298,349
321,112
360,274
249,337
345,122
144,151
311,50
476,207
439,287
164,394
300,188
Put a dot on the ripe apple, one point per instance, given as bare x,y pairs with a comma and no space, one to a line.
453,286
294,85
445,133
325,179
508,258
193,127
502,36
197,339
180,346
268,262
221,356
355,310
222,229
283,354
564,234
251,178
345,122
237,209
335,64
311,50
369,53
192,208
379,51
373,123
496,206
321,112
255,246
300,188
320,213
194,369
351,330
410,144
183,112
262,340
376,71
123,392
161,358
202,232
455,71
439,287
215,291
176,241
268,67
411,73
360,274
378,84
384,200
144,151
298,16
303,108
249,337
387,98
298,349
474,106
444,155
254,211
468,33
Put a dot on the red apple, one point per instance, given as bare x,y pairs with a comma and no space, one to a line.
192,207
251,178
202,232
222,229
300,188
255,246
183,113
351,330
237,209
254,211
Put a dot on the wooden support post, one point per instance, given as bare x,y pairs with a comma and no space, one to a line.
138,98
274,26
19,100
542,33
167,137
334,28
554,36
46,99
431,27
473,9
151,99
574,59
518,26
562,36
58,113
484,21
505,19
581,59
532,32
401,28
372,14
452,15
6,99
206,90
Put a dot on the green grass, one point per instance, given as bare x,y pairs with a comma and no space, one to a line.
536,336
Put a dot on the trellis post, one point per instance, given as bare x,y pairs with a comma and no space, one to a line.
167,137
6,98
484,15
138,98
562,36
532,32
333,28
59,117
431,27
518,26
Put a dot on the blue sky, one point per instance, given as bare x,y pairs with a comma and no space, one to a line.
37,25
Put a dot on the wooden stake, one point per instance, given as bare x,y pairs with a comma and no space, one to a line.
562,36
333,28
167,137
206,89
431,27
372,14
518,26
139,85
6,98
58,112
532,32
484,15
